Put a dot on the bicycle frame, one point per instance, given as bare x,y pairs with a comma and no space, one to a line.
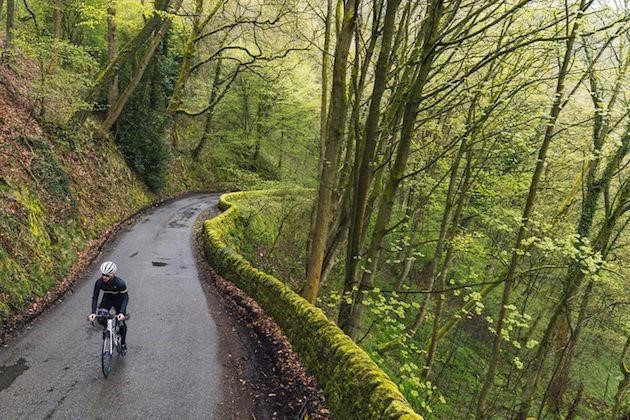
111,327
111,340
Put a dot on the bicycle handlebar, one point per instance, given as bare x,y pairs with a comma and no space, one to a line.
110,316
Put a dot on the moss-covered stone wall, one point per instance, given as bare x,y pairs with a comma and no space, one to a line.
355,387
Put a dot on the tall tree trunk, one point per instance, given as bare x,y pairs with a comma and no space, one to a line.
334,140
154,76
127,53
261,114
323,116
406,198
529,204
408,255
115,111
331,250
411,109
354,141
56,35
209,114
112,51
57,16
10,22
339,15
365,158
245,109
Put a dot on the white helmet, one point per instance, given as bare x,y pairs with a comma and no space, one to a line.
108,268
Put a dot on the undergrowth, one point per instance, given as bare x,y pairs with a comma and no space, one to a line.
273,234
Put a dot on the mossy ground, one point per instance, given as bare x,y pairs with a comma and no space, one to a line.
52,202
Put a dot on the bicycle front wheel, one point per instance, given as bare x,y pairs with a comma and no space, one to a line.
107,354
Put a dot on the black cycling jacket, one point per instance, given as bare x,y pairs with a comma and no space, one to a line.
113,289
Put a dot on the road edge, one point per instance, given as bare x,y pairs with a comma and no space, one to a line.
281,387
85,258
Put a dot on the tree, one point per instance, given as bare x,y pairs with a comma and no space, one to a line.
157,22
10,22
594,187
365,156
531,197
199,24
334,140
112,51
116,109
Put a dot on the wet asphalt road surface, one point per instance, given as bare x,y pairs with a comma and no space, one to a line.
53,370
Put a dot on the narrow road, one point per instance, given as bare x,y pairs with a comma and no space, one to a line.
171,370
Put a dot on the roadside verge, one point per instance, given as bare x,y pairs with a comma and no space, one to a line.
354,386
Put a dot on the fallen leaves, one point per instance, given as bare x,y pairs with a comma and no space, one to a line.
296,394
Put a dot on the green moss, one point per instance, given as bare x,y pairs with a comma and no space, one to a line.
46,217
15,287
51,176
355,387
43,250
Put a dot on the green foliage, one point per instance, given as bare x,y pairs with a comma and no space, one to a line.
51,176
140,132
238,179
267,235
22,275
265,128
387,314
354,386
15,284
142,142
63,73
237,166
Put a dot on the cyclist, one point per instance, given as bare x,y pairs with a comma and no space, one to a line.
114,296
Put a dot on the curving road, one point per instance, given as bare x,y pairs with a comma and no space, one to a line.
172,368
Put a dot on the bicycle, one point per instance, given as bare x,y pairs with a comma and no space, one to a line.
111,340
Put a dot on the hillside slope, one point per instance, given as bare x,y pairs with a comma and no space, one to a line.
57,198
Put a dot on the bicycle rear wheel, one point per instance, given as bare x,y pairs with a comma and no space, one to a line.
107,354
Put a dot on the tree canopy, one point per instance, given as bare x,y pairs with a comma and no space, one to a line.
470,166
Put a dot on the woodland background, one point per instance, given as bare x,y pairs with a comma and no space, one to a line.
468,162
